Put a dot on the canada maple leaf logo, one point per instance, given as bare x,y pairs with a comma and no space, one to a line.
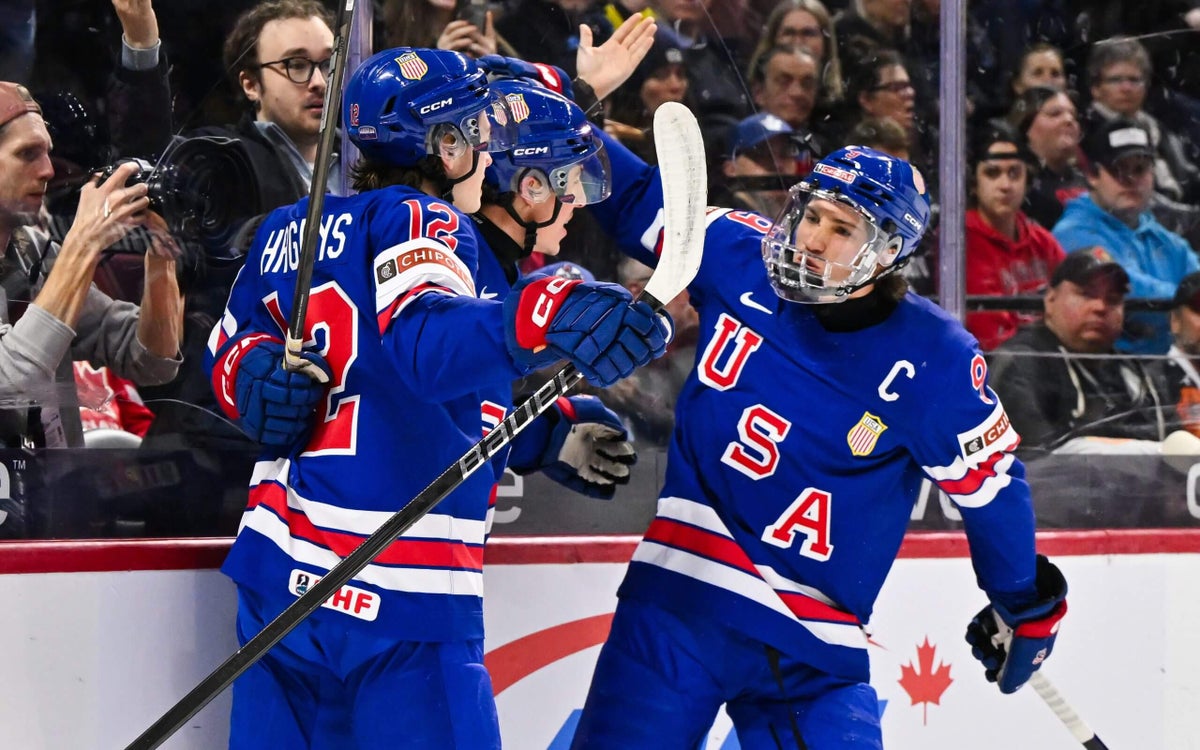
924,683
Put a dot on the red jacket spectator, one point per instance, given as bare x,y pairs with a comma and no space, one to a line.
1001,266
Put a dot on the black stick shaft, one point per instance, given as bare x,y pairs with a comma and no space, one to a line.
316,191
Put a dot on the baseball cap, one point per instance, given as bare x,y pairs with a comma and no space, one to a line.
1110,140
755,129
1188,292
1081,266
15,100
666,50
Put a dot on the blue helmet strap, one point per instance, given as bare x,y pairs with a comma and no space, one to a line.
530,227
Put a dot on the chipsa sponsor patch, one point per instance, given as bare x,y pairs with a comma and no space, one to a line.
348,600
862,437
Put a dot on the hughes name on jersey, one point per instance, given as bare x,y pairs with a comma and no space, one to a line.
799,452
393,309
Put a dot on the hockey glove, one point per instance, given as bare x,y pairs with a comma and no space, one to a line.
1013,644
276,405
595,325
582,445
550,76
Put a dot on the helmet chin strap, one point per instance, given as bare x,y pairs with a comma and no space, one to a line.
531,227
448,183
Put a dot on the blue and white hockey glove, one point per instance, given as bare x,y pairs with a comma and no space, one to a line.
1013,644
276,406
579,443
595,325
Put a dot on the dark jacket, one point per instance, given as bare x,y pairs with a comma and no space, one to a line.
1052,395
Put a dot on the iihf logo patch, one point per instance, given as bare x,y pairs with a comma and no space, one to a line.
386,271
863,436
412,66
518,107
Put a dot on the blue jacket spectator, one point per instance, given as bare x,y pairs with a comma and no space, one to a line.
1115,216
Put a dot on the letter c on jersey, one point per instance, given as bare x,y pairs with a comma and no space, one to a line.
901,366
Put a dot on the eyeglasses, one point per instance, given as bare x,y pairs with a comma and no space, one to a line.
300,69
896,87
1118,80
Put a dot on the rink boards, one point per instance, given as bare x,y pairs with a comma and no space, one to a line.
101,637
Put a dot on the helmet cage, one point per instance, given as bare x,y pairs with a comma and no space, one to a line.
800,276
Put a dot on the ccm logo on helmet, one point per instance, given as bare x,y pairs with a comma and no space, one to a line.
531,151
435,106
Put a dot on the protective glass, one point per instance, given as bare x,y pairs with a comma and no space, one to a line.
491,128
822,246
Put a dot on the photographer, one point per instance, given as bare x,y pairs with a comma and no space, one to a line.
68,315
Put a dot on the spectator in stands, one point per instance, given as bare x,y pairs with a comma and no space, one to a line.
67,313
785,82
762,147
433,23
1183,358
713,64
659,77
1114,216
878,85
1052,378
278,56
879,23
1041,65
548,30
1119,75
1007,253
806,25
1048,120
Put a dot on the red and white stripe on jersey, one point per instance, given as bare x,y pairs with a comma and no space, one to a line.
440,554
690,539
386,315
980,471
415,263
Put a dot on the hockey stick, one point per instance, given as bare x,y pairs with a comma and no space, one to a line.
681,158
294,341
1082,732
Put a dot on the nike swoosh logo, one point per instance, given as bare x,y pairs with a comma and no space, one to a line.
748,302
485,294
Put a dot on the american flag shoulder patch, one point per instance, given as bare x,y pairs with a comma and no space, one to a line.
863,436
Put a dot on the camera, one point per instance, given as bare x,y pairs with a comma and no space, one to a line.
204,187
474,11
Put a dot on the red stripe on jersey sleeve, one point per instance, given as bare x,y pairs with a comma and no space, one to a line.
225,369
970,482
385,316
403,552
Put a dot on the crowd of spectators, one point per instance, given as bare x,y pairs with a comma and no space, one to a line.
1083,132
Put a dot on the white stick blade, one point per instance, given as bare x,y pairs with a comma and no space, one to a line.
681,161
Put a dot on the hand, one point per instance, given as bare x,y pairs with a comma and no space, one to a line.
586,450
606,67
138,22
1013,644
467,38
595,325
276,406
106,213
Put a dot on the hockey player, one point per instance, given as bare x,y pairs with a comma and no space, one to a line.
420,364
823,393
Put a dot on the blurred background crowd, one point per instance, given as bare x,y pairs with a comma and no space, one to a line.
1082,181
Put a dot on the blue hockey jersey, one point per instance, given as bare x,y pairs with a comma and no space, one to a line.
420,372
799,452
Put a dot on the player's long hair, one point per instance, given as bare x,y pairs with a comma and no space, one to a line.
370,174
